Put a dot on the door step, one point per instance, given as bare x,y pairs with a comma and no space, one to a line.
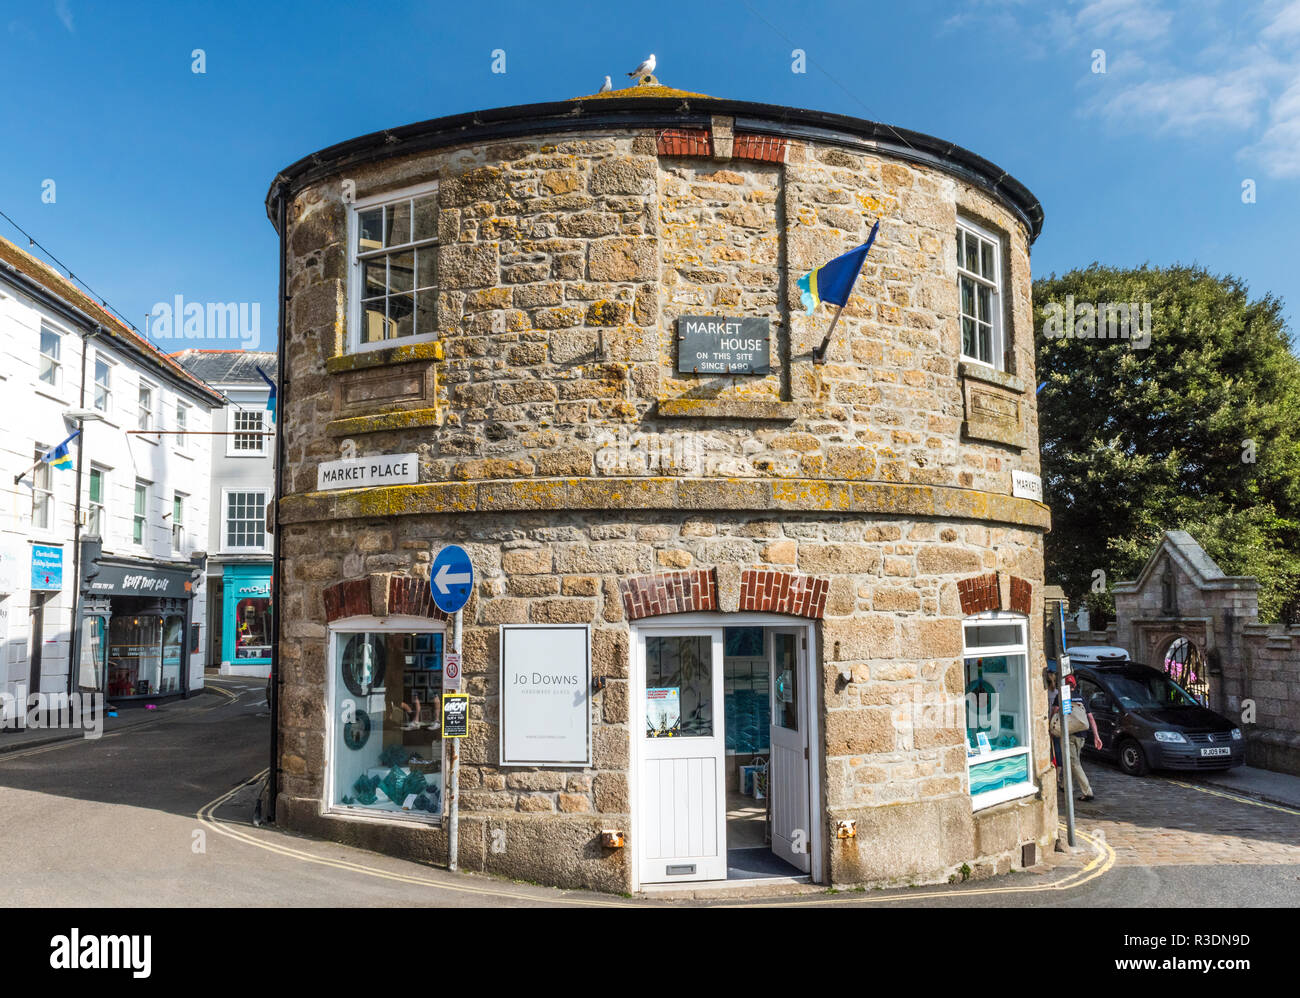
714,889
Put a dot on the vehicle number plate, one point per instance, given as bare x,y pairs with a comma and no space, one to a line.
1216,751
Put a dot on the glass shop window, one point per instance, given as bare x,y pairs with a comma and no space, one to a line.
679,686
997,707
746,693
253,628
94,650
135,655
173,650
387,700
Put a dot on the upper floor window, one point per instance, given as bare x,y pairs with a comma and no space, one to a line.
96,521
395,270
51,367
246,436
42,492
145,419
246,519
178,520
182,424
140,516
103,383
979,285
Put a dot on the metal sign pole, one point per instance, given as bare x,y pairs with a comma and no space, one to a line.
1062,692
453,786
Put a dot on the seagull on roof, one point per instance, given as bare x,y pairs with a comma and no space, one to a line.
646,67
605,87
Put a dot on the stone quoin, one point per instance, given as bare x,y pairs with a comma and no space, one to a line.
819,560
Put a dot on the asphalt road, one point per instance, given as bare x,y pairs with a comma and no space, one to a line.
159,815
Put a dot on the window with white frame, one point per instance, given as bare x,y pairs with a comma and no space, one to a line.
146,396
182,424
395,270
178,520
103,383
998,718
51,363
140,515
96,518
245,515
42,492
246,436
979,286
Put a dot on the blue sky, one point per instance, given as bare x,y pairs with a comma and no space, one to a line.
160,173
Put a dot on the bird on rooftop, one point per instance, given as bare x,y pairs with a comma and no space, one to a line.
646,67
605,87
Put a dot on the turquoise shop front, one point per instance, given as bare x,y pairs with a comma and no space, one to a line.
246,620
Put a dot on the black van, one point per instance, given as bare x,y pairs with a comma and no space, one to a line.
1147,721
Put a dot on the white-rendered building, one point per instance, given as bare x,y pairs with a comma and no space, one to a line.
137,537
237,637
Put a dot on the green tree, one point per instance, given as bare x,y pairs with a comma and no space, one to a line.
1198,430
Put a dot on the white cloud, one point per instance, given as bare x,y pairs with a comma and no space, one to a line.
65,14
1278,149
1127,20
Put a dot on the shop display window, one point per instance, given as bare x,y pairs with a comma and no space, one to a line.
253,628
997,707
94,651
134,654
679,686
745,682
387,745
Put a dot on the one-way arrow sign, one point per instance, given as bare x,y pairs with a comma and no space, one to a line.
453,578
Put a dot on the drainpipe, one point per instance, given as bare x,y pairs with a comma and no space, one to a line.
277,603
74,643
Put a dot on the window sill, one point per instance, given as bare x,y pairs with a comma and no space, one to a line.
714,408
385,357
1003,796
49,392
990,375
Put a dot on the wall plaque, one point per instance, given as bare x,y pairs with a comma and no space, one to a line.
719,344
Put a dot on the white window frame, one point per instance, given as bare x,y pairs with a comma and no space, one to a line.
56,361
141,518
42,494
97,512
374,625
178,521
355,269
232,441
107,386
182,424
997,334
225,520
152,389
1029,787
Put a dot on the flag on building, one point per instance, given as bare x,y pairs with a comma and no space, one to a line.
270,398
833,282
59,457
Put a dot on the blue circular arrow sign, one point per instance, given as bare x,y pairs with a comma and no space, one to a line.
451,578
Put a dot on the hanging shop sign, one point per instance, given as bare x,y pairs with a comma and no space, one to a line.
545,695
455,715
47,568
1026,486
711,344
364,472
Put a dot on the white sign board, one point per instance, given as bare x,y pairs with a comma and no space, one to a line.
451,672
545,695
1026,486
363,472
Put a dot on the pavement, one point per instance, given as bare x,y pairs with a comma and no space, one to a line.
158,812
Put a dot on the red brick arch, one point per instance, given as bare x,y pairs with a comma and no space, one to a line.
766,590
406,596
669,592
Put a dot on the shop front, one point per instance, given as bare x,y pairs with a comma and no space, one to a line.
135,617
246,620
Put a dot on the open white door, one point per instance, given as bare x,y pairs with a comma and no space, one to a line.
682,826
788,777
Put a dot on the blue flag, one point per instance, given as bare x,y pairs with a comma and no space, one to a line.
59,457
833,282
270,399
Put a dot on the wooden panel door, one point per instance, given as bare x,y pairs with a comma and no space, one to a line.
788,772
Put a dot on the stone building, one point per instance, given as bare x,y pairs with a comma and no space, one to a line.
812,579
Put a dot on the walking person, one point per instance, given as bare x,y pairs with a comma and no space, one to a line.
1080,723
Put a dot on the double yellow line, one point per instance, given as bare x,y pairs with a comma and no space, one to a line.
1102,860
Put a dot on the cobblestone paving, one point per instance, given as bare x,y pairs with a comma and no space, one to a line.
1152,821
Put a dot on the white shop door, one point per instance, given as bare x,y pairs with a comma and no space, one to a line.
681,826
788,775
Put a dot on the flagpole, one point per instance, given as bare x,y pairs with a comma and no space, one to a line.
819,355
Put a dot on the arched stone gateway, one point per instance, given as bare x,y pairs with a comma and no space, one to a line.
568,337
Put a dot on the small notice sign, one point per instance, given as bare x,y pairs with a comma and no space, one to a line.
451,672
455,715
711,344
362,472
1026,486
